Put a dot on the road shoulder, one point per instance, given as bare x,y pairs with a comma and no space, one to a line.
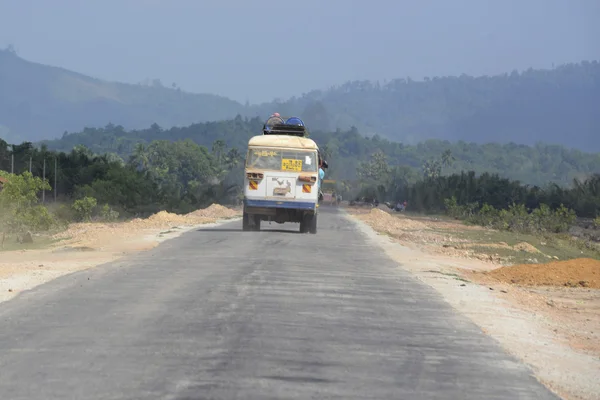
87,245
522,332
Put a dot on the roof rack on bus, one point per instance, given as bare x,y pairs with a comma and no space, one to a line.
283,129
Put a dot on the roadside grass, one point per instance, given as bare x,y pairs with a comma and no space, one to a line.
491,242
551,246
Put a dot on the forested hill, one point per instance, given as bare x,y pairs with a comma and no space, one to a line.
537,164
559,106
41,102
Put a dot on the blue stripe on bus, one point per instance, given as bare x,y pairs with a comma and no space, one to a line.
298,205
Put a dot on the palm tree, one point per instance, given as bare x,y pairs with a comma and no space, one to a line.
218,148
447,158
233,158
432,168
139,158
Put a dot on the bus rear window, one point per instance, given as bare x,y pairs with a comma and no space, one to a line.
282,160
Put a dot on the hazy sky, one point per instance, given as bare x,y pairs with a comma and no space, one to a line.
260,49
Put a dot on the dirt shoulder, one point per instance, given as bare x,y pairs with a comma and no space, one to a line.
548,315
86,245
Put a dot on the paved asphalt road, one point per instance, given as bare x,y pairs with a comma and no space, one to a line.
224,314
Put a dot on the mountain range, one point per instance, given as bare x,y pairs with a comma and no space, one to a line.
558,106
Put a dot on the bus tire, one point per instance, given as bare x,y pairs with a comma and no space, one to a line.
303,225
309,224
312,224
246,222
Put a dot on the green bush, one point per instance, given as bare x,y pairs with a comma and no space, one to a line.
108,214
487,216
516,218
64,213
38,218
562,219
19,204
84,208
460,211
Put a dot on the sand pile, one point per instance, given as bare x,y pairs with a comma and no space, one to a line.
384,222
580,272
215,211
88,231
162,219
92,232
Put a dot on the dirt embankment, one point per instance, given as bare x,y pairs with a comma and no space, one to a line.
545,313
96,234
581,272
85,245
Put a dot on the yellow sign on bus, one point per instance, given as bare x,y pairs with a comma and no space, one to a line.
288,164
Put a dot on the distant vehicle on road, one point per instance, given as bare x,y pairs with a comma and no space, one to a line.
330,196
281,181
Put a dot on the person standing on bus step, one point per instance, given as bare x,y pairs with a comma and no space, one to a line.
321,176
322,163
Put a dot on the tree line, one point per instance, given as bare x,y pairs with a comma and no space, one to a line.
485,199
141,172
179,176
432,190
347,149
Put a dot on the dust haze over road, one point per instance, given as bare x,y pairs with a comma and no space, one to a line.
219,313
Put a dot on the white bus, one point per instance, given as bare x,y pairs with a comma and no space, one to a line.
281,182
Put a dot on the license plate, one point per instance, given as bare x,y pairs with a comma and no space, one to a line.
280,191
288,164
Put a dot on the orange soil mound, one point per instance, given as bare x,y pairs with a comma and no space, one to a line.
583,272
